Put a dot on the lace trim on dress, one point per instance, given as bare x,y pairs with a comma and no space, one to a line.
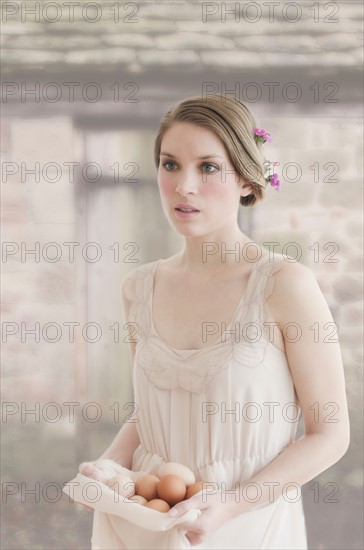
166,369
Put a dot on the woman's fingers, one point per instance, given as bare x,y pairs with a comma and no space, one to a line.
100,470
86,467
90,470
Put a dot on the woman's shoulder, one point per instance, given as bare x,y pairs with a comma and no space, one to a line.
294,285
291,271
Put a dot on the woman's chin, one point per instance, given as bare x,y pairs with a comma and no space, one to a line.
185,230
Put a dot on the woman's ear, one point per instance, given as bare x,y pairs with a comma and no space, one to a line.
246,190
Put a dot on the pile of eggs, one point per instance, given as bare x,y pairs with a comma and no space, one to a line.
174,483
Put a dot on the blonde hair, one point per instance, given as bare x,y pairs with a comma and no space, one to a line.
233,123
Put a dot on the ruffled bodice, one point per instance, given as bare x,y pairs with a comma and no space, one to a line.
245,340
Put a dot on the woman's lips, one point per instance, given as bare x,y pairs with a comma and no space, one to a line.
186,215
186,206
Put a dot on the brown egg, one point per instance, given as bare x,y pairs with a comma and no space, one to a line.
146,486
176,469
139,499
172,489
158,504
193,489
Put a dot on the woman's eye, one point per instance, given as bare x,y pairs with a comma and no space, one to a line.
167,162
213,166
208,164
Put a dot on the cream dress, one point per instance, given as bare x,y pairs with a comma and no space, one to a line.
225,411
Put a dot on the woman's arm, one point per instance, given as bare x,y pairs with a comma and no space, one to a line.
123,446
318,375
317,370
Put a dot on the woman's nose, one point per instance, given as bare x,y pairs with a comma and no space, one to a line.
187,183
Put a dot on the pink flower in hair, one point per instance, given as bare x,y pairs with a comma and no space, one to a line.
261,135
274,181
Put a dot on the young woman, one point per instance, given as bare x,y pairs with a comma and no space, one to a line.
226,359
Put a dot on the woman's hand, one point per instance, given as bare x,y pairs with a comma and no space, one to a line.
215,512
88,469
91,470
99,470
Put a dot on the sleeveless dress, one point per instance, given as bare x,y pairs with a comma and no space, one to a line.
225,411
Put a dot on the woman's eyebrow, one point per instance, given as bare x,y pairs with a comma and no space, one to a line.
203,157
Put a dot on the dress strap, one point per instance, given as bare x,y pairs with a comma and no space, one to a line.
136,285
133,282
254,310
263,281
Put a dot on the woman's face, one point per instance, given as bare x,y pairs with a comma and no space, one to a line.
195,169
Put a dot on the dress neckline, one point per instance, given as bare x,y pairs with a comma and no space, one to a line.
211,346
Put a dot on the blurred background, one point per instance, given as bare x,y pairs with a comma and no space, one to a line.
84,88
